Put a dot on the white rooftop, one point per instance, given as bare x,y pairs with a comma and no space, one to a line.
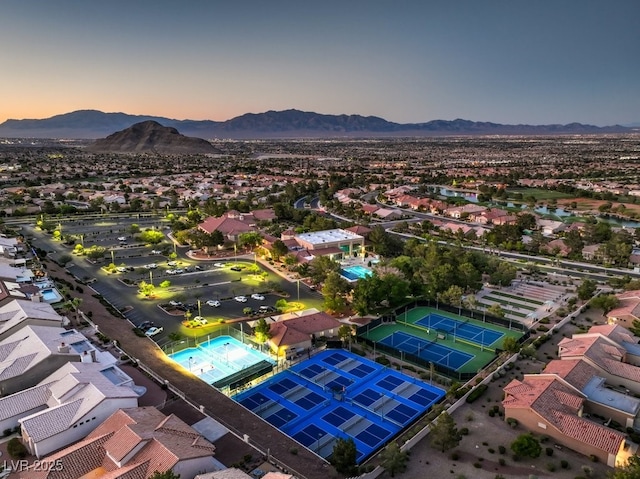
74,390
16,311
32,344
329,236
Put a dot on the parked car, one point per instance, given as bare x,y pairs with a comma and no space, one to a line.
172,263
267,309
191,306
156,251
122,238
146,325
241,299
178,271
151,266
257,296
236,268
218,265
153,331
121,269
200,320
197,267
214,303
175,303
171,271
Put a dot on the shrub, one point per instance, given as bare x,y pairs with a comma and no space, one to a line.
501,461
7,432
16,449
564,464
464,431
512,421
502,449
549,451
477,465
294,451
454,456
476,393
551,467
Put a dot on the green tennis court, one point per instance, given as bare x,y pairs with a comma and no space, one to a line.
414,322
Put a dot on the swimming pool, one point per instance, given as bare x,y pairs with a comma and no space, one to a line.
220,358
355,272
51,295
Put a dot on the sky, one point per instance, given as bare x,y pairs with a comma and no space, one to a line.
407,61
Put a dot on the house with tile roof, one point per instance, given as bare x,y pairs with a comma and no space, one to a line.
627,311
546,404
231,228
600,370
34,352
298,332
19,313
67,405
133,444
612,350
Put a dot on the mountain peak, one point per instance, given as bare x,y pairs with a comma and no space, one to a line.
150,136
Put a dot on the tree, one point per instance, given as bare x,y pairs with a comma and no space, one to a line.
526,445
631,470
262,331
165,475
606,302
343,457
334,290
444,434
151,236
345,333
496,310
250,240
96,252
165,284
393,459
278,249
510,345
146,289
586,289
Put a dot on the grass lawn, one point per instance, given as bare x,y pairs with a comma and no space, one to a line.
538,193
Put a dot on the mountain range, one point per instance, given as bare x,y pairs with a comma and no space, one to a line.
91,124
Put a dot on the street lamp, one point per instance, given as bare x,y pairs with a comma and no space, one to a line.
190,362
151,277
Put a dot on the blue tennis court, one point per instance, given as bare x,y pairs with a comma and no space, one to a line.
429,350
470,332
337,394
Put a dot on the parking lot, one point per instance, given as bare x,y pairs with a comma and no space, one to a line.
191,283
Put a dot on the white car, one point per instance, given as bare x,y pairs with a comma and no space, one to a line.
218,265
179,271
153,331
171,271
121,269
175,303
151,266
241,299
214,303
200,320
122,238
257,296
172,263
156,251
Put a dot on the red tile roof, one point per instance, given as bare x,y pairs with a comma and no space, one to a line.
297,330
557,404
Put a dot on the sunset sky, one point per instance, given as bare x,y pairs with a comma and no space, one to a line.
506,61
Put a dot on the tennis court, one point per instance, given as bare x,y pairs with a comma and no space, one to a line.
337,394
462,329
438,333
219,358
429,350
